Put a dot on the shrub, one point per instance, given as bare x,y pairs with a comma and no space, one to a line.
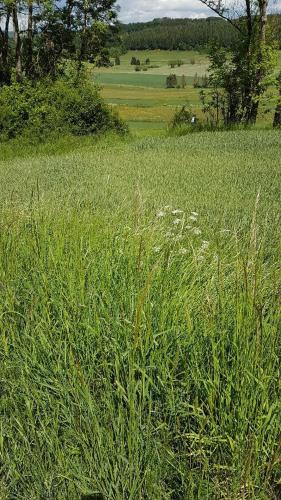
182,117
65,107
200,82
117,61
177,62
171,82
147,61
183,124
137,68
133,61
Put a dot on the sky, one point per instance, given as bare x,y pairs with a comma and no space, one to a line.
146,10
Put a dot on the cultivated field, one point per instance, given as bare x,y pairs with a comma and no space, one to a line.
140,307
142,98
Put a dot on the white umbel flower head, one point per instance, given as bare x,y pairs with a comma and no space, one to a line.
177,211
182,251
160,214
205,244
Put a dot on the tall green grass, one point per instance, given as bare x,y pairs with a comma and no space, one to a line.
140,308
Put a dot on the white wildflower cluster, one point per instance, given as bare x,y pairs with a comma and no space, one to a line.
160,214
202,250
177,231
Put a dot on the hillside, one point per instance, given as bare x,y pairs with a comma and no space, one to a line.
178,34
185,34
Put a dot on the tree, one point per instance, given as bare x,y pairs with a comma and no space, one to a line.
47,33
171,81
277,114
183,82
243,73
5,17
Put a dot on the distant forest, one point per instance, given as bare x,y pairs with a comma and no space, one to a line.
184,34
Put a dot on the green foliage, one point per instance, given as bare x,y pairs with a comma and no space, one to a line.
182,117
140,354
52,34
277,114
64,106
171,81
200,82
178,34
184,122
176,62
239,80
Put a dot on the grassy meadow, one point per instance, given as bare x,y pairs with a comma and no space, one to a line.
140,310
142,98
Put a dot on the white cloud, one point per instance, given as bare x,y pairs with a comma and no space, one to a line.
146,10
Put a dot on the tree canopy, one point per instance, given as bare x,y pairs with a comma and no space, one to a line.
47,32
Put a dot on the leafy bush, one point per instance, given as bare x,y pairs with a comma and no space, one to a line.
171,81
64,106
200,82
183,116
177,62
184,122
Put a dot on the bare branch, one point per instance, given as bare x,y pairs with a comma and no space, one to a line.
217,7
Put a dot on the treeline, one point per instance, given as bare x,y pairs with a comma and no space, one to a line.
46,34
186,34
45,90
178,34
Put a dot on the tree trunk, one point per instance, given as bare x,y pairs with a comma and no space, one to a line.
83,42
254,95
29,54
277,116
4,51
17,40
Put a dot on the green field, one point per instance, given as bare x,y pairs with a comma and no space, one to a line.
133,91
140,310
133,79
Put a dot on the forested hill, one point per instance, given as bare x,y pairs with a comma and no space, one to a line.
182,34
185,34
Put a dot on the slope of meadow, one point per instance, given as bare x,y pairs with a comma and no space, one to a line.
140,306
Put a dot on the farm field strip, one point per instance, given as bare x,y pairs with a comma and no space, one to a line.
132,91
